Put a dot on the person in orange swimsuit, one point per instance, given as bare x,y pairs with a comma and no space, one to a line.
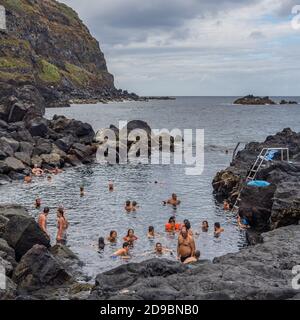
172,226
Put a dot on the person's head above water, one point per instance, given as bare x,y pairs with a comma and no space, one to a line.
134,203
217,225
158,247
205,224
61,212
128,203
126,246
197,254
46,210
113,234
130,233
174,196
172,220
151,229
101,243
187,224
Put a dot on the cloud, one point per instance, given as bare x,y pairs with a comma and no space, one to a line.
196,46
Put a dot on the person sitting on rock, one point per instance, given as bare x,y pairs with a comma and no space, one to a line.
174,201
28,178
130,238
37,171
218,230
128,206
113,236
42,220
38,202
195,258
124,252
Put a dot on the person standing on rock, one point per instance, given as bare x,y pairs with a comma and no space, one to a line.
62,226
42,220
186,245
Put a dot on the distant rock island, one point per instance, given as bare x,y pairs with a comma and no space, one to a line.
252,100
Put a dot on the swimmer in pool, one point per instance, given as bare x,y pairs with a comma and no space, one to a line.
113,236
82,193
110,186
160,250
128,206
172,226
173,201
134,206
226,205
55,171
205,226
130,238
38,202
193,259
27,178
124,252
151,233
218,229
101,243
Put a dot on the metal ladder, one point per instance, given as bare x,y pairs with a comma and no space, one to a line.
261,158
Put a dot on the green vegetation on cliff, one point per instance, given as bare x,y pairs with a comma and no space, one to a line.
49,73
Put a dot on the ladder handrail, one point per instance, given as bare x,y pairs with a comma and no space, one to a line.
261,158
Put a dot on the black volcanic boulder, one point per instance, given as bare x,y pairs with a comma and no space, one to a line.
38,127
38,268
22,233
17,112
65,143
139,124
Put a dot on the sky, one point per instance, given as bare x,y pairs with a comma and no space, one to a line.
198,47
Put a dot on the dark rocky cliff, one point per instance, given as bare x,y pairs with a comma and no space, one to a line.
47,45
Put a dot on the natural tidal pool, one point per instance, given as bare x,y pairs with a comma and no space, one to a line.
100,211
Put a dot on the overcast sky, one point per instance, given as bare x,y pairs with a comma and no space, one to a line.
197,47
